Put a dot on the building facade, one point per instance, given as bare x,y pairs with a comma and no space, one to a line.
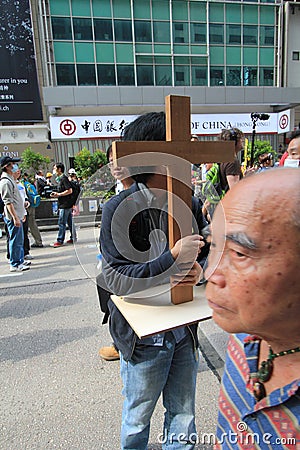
99,58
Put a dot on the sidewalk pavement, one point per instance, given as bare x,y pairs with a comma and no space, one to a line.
56,392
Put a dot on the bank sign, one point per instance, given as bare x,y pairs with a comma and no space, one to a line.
105,127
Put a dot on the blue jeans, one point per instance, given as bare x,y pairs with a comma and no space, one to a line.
64,218
170,369
16,242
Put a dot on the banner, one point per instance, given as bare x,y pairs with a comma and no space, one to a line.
103,127
19,93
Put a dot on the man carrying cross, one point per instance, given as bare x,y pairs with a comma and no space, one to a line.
167,362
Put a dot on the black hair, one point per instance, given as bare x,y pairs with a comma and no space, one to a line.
60,166
108,152
147,127
295,134
231,134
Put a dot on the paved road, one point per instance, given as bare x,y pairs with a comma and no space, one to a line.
56,393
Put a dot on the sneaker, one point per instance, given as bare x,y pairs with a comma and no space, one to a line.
19,268
26,263
70,241
28,257
34,245
57,244
109,353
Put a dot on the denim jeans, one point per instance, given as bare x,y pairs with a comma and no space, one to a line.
64,218
16,241
170,369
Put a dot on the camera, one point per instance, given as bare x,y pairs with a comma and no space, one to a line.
260,116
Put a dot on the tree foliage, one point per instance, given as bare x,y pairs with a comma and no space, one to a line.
87,163
33,161
261,147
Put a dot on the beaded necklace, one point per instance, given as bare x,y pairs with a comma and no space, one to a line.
265,371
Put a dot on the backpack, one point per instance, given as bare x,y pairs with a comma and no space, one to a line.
1,206
32,195
75,191
212,188
137,233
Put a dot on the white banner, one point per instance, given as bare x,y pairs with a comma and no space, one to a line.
105,127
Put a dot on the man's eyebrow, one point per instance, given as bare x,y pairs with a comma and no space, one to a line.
243,240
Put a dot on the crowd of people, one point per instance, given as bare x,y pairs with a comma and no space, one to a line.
251,285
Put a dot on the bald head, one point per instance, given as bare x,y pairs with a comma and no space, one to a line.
275,192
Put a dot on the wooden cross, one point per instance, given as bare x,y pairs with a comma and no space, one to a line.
178,143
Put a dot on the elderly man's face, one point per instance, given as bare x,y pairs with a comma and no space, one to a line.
253,285
294,149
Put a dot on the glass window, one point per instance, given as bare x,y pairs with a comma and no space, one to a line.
250,76
101,8
105,53
86,75
65,74
63,52
216,12
106,74
182,75
216,34
250,56
250,34
125,75
233,34
267,15
266,56
217,76
233,76
266,35
217,55
82,29
180,10
199,76
198,33
121,8
233,13
124,53
142,30
162,48
163,75
123,30
162,60
160,10
250,14
198,11
143,48
295,56
103,30
61,28
80,8
180,34
60,7
145,75
233,55
141,9
266,76
84,52
161,31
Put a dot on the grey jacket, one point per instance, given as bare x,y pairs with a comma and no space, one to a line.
10,194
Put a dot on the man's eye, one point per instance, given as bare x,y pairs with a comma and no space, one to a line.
238,255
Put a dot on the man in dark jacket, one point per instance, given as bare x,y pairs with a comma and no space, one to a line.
136,256
65,205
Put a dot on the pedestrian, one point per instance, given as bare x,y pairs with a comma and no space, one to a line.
165,363
230,172
253,289
40,181
123,181
31,210
293,150
65,206
14,212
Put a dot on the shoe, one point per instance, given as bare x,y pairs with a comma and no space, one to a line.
28,257
109,353
36,245
19,268
26,263
57,244
70,241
